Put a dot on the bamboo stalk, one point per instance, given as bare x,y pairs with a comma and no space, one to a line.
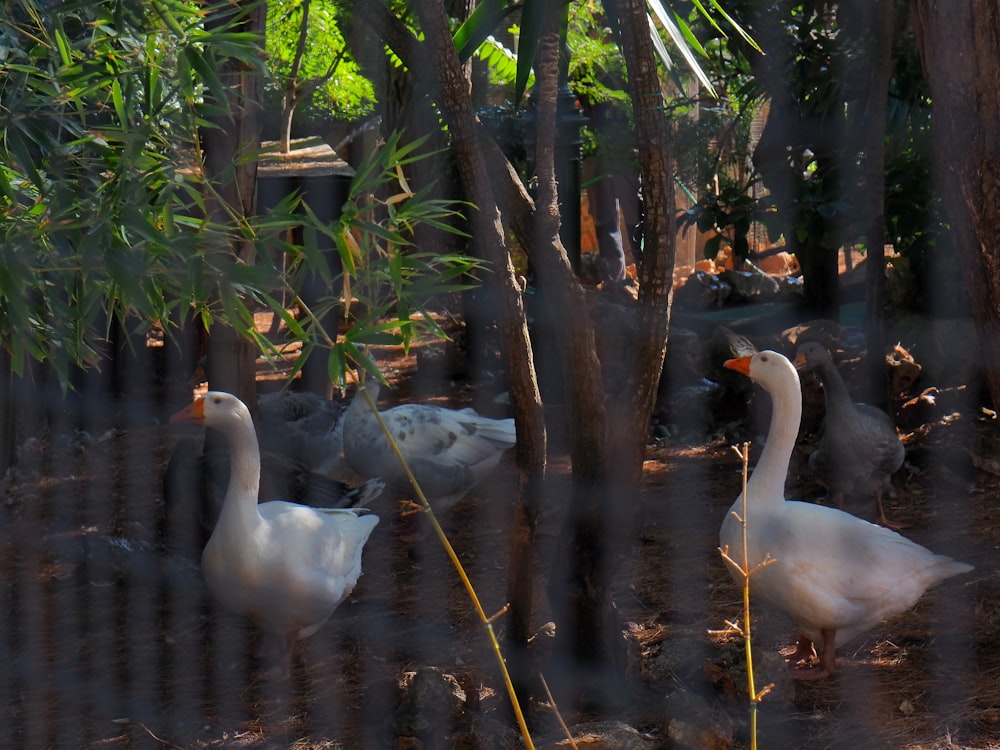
453,556
745,571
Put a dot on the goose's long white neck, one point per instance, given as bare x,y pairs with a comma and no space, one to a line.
766,486
244,474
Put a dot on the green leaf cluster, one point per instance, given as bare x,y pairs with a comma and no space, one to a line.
729,212
343,93
96,97
380,284
104,214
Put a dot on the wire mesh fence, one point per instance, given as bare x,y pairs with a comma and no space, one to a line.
110,639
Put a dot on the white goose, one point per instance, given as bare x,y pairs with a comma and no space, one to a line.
834,574
284,566
449,451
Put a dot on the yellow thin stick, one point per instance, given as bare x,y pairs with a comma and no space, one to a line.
486,621
745,571
745,455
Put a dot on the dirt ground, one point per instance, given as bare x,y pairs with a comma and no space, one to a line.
109,640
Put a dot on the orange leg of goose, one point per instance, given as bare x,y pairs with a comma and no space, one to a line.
881,518
826,662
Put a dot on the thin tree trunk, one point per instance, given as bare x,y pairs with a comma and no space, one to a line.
230,149
438,60
603,546
579,584
290,96
607,467
635,403
792,120
8,412
959,44
588,636
873,118
602,525
490,243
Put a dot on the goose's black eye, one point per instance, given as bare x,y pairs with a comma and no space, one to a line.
216,399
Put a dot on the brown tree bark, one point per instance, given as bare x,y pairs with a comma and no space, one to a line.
489,242
871,120
607,439
634,405
605,483
795,122
959,44
605,519
579,585
230,164
290,97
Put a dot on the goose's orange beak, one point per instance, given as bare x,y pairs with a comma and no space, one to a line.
740,364
192,413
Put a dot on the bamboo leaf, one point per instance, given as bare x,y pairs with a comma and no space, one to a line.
336,366
293,325
63,46
659,46
678,39
707,15
739,29
119,102
479,25
689,36
205,70
532,16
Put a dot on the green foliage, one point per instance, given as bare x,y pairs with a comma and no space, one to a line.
587,37
96,99
714,150
344,93
913,212
103,196
729,212
501,60
596,67
912,209
804,156
485,17
380,282
596,73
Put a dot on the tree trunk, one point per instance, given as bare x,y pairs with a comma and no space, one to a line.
588,636
230,164
579,585
290,94
872,120
608,434
602,540
407,106
440,62
599,532
793,126
8,411
959,44
634,404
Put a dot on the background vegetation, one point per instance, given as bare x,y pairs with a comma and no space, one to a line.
131,136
